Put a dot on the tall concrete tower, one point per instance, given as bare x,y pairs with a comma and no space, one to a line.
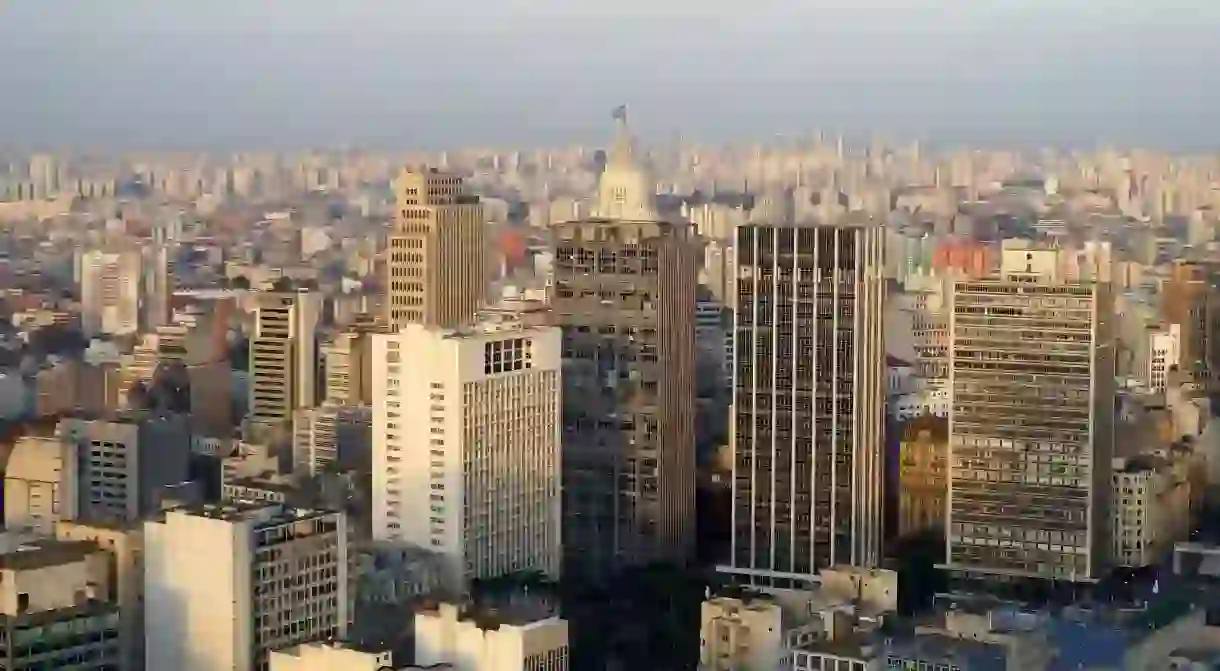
624,293
437,268
808,400
1031,368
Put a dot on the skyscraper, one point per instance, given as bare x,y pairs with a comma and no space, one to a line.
283,356
808,400
110,291
624,293
437,265
1031,428
466,451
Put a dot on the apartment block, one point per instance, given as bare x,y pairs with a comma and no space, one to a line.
225,585
41,484
125,463
808,400
110,282
1152,508
438,263
471,640
283,356
1031,428
124,549
466,446
55,610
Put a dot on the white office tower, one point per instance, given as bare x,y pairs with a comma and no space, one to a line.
466,439
497,641
110,292
224,585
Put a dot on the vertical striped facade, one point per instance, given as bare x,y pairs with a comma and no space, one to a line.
808,401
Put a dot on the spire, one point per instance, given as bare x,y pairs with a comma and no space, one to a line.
622,152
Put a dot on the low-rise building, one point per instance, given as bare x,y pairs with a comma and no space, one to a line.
473,640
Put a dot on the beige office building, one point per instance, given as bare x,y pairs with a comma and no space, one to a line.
226,584
1031,427
466,446
437,263
624,293
283,356
348,365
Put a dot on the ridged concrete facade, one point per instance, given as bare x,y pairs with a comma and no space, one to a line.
808,402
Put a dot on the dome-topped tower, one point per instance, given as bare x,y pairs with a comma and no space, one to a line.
626,189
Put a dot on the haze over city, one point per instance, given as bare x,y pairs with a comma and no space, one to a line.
234,74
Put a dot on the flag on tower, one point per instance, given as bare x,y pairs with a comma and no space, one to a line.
619,113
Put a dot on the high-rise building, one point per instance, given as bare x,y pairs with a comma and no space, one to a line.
157,286
466,446
110,282
624,293
283,356
437,266
808,400
224,585
1031,428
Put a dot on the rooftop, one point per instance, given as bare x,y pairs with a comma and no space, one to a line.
261,512
44,553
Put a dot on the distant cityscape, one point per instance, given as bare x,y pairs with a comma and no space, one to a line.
808,405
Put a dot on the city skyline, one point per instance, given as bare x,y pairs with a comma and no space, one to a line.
231,75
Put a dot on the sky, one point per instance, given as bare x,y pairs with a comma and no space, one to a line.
260,74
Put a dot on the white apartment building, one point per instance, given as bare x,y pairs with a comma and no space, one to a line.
498,641
110,291
224,585
1151,509
1164,352
466,445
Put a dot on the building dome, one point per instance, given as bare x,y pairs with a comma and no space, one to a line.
626,189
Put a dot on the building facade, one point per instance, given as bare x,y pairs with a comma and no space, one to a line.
110,282
283,356
473,641
438,261
466,446
257,577
923,470
808,400
623,290
1031,428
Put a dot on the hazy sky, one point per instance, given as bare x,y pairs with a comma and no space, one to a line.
407,73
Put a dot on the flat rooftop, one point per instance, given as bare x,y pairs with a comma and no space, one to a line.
45,553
